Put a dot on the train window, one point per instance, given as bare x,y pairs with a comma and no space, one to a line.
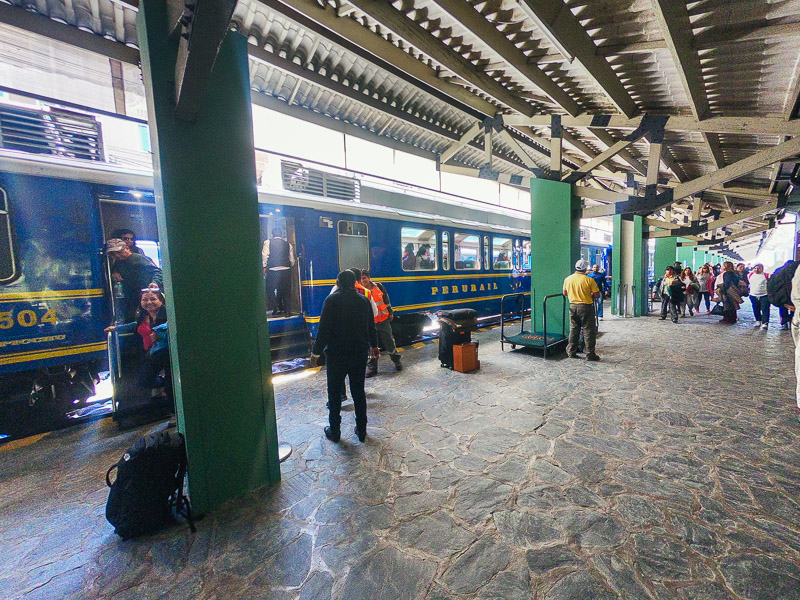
486,262
353,245
526,254
445,251
8,254
501,252
418,249
467,251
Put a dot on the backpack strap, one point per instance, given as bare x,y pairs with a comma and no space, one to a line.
108,474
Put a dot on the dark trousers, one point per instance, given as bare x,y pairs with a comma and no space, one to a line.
760,308
668,306
707,297
582,318
786,315
279,288
151,367
354,368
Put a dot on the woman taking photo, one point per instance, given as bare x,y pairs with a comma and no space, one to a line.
705,281
728,293
691,298
758,296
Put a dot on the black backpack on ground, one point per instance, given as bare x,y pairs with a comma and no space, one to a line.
779,286
148,488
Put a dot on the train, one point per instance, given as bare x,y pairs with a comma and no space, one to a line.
56,296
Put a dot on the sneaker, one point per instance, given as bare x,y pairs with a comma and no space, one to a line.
757,325
784,326
592,357
333,436
708,312
371,373
398,366
662,318
572,356
691,313
765,326
675,320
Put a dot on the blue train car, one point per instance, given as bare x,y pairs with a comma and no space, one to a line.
425,263
55,297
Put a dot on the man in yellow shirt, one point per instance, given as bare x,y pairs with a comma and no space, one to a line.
581,291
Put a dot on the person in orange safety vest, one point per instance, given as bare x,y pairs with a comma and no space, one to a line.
383,320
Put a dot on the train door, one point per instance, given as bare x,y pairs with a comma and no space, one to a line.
132,220
283,291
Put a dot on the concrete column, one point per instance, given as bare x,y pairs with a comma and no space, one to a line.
555,246
207,208
629,265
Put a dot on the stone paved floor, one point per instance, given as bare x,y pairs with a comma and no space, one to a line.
668,470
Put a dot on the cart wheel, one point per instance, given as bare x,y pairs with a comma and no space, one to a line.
513,346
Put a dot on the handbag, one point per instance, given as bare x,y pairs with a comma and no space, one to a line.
717,310
743,289
734,295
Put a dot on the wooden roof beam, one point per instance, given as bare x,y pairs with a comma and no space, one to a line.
418,37
472,20
561,24
732,125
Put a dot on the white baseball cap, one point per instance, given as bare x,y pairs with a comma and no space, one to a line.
581,265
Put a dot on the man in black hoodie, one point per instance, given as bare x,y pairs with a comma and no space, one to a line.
348,337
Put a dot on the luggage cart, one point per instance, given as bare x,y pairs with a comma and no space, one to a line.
531,339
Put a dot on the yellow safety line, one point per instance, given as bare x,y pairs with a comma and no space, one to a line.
14,444
10,359
50,295
320,282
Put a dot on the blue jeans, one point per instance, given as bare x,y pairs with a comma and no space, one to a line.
760,308
598,305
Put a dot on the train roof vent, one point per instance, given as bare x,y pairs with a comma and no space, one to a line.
298,178
55,131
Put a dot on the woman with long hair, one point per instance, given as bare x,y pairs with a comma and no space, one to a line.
151,327
691,298
705,281
409,258
728,292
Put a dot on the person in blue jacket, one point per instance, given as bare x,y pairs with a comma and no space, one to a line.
600,278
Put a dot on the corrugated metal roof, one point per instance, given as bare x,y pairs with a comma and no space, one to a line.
747,54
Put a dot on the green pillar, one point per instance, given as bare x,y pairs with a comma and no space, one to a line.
639,276
207,207
555,245
685,253
665,254
629,265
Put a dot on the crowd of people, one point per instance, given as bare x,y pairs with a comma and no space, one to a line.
681,289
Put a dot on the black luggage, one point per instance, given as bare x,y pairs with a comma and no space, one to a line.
455,328
148,488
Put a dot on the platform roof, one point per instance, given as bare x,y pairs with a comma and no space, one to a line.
425,72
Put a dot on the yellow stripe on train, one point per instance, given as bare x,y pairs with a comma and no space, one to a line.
430,305
50,295
19,357
321,282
